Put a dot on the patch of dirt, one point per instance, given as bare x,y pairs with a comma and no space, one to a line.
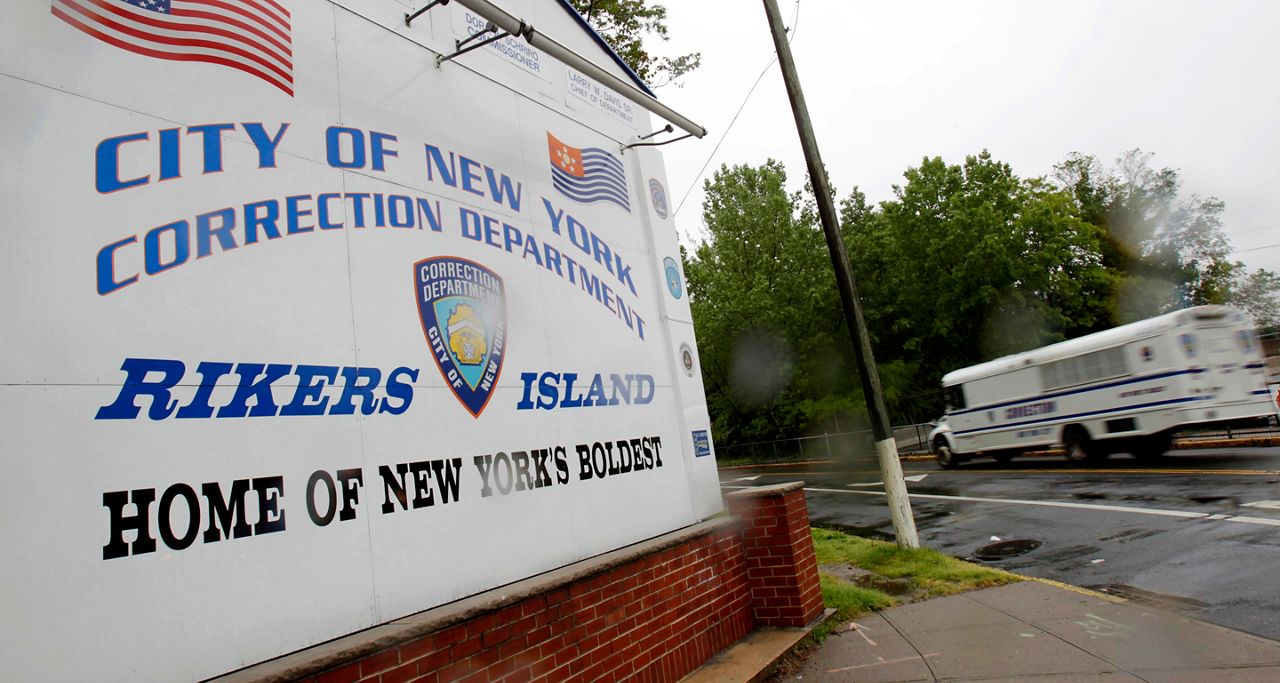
898,588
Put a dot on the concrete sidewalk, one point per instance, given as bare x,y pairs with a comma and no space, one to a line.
1035,631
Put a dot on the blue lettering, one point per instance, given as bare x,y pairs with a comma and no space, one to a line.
308,398
322,210
293,212
353,388
212,135
501,190
266,144
135,384
380,152
107,167
266,221
107,282
402,391
170,154
258,388
205,231
151,247
333,147
469,176
449,173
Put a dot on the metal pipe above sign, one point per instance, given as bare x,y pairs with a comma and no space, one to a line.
518,27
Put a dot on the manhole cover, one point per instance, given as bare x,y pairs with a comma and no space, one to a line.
1003,549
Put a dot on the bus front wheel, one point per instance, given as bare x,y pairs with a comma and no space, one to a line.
947,459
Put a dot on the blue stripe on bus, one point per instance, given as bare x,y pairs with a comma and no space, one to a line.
1088,414
1041,397
1260,392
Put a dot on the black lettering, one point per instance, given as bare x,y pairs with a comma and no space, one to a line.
613,465
484,463
599,461
393,487
221,511
270,516
422,495
541,476
140,522
448,476
318,518
584,461
523,479
350,481
562,465
637,454
164,519
505,461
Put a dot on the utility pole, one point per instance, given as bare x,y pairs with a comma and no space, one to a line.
895,489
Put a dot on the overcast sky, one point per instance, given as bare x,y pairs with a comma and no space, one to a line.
890,82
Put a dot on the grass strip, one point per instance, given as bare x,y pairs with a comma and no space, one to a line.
930,572
849,601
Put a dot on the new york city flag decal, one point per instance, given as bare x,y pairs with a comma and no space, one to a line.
587,175
463,309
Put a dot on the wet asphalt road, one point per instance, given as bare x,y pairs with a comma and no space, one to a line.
1177,533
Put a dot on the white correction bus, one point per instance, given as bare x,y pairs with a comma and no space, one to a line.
1127,389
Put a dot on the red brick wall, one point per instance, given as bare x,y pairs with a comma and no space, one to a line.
781,566
655,619
651,617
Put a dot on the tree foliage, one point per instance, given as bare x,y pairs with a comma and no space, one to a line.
1168,252
628,25
760,288
966,262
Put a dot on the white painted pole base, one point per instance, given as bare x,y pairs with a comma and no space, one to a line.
895,490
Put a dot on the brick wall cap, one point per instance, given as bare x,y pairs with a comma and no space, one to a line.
320,658
764,491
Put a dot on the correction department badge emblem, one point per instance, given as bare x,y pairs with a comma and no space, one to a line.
463,309
658,195
674,284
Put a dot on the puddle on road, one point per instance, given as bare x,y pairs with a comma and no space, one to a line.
1005,549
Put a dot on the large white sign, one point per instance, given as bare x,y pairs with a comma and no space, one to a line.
304,334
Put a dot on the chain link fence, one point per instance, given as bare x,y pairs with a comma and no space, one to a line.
911,439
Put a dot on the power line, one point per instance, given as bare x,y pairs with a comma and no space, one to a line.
1264,246
1263,227
795,26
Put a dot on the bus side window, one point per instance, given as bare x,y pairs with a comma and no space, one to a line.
955,397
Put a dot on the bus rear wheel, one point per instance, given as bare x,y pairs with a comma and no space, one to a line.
1080,448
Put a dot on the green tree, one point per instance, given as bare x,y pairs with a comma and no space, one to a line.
966,263
1258,293
772,358
628,25
1167,251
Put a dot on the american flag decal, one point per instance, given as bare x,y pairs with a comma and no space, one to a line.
252,36
587,175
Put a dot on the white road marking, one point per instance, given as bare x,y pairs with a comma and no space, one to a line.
867,483
918,477
1255,520
747,478
1182,514
1268,504
1041,503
